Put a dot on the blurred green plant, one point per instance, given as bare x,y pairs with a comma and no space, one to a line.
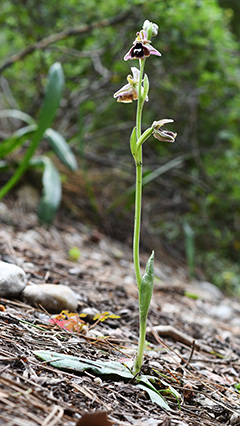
191,295
224,273
189,248
74,253
36,131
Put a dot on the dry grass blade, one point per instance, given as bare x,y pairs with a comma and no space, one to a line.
53,417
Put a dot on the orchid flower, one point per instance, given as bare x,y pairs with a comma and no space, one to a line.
137,89
141,48
129,92
161,134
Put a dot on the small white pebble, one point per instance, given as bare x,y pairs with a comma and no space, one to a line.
97,380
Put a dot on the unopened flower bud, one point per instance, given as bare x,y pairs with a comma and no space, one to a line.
154,28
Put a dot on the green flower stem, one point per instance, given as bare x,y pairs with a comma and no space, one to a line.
141,346
140,138
144,137
137,219
138,192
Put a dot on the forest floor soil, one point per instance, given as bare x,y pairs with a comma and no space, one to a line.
193,335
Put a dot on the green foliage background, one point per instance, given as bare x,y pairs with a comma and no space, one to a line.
196,82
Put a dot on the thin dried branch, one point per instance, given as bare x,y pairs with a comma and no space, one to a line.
45,42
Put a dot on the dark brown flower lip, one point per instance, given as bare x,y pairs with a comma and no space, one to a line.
141,48
139,51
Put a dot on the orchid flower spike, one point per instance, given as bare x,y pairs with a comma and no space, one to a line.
129,92
141,48
161,134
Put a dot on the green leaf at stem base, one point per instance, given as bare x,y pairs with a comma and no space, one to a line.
112,369
146,288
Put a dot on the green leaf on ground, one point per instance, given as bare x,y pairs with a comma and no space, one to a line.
154,394
105,368
73,363
155,397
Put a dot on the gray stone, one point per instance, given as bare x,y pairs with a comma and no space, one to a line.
12,280
235,419
54,298
205,291
236,322
222,312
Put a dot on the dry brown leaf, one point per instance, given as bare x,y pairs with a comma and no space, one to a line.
97,418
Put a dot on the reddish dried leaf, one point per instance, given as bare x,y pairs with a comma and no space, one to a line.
98,418
69,321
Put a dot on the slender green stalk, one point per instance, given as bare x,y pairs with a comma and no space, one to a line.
138,192
137,219
141,346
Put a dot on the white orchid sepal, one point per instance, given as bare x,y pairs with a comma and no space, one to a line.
163,135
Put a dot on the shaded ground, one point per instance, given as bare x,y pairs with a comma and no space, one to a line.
34,393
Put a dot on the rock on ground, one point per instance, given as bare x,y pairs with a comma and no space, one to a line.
54,298
12,280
